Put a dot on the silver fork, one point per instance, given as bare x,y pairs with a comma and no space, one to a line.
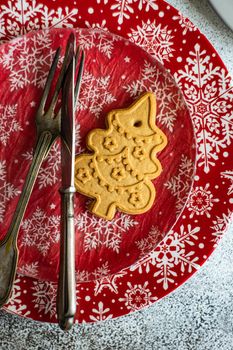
48,129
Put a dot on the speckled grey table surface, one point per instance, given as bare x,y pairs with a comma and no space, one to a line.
197,316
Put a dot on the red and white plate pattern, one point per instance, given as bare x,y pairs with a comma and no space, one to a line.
102,247
206,86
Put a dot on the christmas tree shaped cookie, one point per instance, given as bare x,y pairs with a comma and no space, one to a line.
118,174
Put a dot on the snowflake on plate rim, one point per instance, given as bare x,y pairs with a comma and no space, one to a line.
100,314
201,201
228,174
220,223
122,9
171,255
155,39
211,107
107,281
185,23
19,17
101,26
15,304
45,295
138,296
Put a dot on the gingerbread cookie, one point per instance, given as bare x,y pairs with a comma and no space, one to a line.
118,173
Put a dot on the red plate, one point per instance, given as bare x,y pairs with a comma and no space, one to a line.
205,85
116,72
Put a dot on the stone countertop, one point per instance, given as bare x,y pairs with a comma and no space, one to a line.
197,316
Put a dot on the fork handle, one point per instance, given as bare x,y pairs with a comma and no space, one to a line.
66,295
8,246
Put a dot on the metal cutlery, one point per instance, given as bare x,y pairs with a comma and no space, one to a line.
48,129
66,295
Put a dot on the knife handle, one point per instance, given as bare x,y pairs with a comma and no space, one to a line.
66,294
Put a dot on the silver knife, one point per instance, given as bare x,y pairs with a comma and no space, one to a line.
66,297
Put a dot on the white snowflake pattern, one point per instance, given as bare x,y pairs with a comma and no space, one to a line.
171,254
104,2
148,4
78,138
48,174
45,295
33,62
155,39
20,17
15,304
98,273
185,23
2,27
137,296
98,39
220,224
228,174
100,314
101,26
144,263
122,9
107,281
94,94
206,88
169,99
40,231
101,271
7,190
179,185
63,17
28,155
82,276
99,232
147,244
8,123
30,270
201,201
